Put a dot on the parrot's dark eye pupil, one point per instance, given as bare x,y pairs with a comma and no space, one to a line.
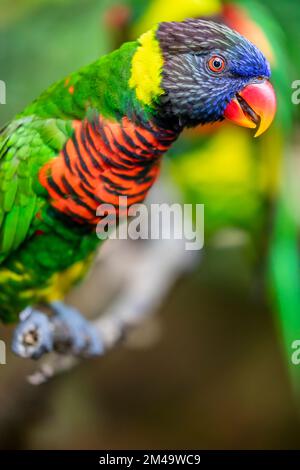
216,64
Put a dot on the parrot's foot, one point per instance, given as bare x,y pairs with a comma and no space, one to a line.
66,332
83,337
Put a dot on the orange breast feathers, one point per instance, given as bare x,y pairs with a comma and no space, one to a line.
102,161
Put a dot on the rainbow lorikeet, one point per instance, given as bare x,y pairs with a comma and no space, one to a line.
100,134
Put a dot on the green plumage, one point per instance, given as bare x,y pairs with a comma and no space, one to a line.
91,90
28,261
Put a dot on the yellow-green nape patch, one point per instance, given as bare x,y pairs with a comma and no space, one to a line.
146,69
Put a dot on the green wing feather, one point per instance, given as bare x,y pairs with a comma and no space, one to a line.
25,146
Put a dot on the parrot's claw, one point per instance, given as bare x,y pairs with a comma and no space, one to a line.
33,337
65,332
84,337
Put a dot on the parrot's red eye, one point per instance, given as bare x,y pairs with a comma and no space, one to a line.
216,64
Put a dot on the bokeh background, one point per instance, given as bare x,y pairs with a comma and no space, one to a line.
211,368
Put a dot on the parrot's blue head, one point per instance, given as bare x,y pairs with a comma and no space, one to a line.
211,72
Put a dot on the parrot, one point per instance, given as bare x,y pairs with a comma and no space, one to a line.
97,135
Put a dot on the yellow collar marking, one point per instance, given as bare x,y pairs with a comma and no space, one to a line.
147,64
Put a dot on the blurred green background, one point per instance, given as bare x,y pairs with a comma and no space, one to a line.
214,374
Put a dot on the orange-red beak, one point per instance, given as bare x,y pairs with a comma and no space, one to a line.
254,107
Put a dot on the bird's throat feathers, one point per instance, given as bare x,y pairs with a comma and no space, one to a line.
101,162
